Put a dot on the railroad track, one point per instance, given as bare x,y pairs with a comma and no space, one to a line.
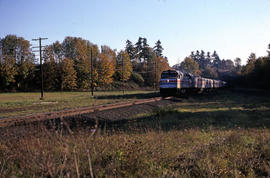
5,122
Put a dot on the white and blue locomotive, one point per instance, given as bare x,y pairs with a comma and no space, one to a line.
174,82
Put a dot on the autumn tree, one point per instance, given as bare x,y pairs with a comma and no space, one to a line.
26,74
191,66
8,71
18,58
105,70
81,51
123,67
68,75
57,51
209,72
110,54
51,70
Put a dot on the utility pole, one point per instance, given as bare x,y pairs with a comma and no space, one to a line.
92,80
123,74
155,83
41,68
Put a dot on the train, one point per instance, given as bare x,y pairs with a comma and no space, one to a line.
174,82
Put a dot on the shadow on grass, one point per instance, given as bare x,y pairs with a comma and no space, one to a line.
129,96
170,119
173,120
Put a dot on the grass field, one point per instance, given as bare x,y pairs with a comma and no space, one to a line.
225,134
17,104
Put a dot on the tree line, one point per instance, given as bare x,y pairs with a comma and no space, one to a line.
255,74
76,64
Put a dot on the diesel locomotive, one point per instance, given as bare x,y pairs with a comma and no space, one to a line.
173,82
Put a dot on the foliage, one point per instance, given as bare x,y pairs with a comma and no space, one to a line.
68,75
26,75
211,66
19,71
137,78
190,66
123,66
51,71
105,69
158,48
8,71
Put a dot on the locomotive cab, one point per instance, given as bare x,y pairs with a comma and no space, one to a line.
170,82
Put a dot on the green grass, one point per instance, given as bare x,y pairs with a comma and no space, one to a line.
222,135
17,104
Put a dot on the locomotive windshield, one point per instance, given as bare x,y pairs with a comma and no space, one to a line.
169,74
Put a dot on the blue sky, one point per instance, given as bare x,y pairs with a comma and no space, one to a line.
234,28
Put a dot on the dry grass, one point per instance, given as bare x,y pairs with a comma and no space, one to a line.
195,140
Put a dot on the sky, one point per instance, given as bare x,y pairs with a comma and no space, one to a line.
234,28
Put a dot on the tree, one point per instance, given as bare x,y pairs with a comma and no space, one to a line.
79,50
209,72
250,64
146,51
130,49
105,70
162,65
110,54
191,66
238,67
68,75
158,48
123,67
51,70
268,51
26,75
57,51
17,49
192,55
8,71
138,49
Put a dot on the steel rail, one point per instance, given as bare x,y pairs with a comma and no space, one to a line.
13,121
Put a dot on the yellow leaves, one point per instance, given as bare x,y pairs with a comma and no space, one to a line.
105,70
68,75
124,66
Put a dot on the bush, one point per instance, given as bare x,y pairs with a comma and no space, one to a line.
137,78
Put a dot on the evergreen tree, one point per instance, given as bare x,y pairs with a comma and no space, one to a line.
192,55
138,48
130,49
268,51
145,51
250,64
158,48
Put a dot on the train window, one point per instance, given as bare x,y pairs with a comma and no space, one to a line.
169,75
